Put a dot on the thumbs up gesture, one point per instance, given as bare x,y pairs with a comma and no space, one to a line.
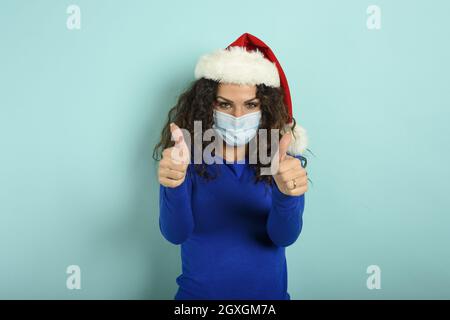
291,178
175,160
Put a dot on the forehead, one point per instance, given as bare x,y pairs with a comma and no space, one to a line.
236,92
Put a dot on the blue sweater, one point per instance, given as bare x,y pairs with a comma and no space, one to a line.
233,233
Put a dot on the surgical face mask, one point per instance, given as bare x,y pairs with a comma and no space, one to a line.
236,131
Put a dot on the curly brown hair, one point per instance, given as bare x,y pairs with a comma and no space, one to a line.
197,103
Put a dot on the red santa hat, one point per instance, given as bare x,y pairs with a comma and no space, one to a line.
249,61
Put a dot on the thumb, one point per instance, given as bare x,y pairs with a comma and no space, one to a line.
180,151
284,144
177,135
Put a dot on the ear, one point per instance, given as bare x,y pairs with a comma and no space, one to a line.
299,141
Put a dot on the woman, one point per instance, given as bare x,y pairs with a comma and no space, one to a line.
233,221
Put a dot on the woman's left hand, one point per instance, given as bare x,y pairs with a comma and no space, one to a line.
291,178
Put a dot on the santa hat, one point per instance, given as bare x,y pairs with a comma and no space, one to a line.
250,61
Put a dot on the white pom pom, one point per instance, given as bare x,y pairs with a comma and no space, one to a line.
299,140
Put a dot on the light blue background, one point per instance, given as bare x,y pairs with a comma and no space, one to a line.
81,110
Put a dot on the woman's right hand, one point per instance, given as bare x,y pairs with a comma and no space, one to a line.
175,160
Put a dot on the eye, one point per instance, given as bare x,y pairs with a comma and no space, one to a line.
223,105
252,105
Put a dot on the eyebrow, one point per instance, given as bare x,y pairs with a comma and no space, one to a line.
232,100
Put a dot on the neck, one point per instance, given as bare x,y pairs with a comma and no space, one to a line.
231,153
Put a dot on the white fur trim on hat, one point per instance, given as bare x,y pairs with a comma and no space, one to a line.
299,140
239,66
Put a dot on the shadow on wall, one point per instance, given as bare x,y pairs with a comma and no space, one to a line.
163,257
138,229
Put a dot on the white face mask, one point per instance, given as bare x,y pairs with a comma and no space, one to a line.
236,131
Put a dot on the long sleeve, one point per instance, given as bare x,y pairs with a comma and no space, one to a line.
285,220
176,220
